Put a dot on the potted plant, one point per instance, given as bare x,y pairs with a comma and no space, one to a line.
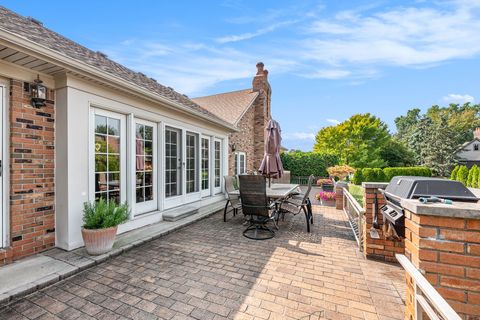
100,222
325,183
326,198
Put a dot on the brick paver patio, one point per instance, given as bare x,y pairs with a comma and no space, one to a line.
208,270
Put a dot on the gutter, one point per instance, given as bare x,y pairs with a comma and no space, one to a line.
71,64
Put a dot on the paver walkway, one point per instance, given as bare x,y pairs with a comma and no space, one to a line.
208,270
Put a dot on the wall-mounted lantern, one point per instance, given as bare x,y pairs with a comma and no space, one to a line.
233,147
39,93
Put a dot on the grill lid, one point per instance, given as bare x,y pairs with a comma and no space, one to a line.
408,187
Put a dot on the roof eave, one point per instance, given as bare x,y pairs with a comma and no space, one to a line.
246,109
52,56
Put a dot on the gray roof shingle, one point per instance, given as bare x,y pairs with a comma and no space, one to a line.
36,32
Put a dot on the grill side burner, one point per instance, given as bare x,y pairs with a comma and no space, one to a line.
406,187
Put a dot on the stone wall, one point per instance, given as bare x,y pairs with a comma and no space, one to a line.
32,189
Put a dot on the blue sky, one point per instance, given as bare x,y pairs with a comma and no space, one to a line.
327,59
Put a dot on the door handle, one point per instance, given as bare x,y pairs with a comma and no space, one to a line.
1,168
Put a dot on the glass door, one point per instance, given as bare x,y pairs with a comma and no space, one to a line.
191,162
145,167
173,162
2,166
217,166
205,166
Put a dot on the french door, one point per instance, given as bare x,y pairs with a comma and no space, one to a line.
173,162
2,166
205,166
145,166
217,166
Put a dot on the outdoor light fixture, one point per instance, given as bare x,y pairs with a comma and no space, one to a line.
39,93
233,147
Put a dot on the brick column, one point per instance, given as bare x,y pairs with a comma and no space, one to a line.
443,242
339,194
378,249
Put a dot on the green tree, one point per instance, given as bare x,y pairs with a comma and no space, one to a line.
470,176
462,174
433,145
476,172
453,176
396,154
358,141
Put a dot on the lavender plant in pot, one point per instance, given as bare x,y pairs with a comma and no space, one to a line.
100,222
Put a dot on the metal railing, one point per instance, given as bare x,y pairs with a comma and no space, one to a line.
355,213
426,299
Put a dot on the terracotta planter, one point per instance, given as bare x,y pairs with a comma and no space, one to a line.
328,203
99,241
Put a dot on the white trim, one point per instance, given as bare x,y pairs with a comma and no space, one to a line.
238,167
219,188
4,183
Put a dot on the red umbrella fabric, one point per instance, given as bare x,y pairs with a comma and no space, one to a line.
271,165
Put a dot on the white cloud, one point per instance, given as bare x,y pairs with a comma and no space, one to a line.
458,98
250,35
298,136
331,74
333,121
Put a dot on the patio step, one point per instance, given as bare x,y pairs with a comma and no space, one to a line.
179,213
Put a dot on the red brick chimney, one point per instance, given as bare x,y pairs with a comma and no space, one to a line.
476,133
262,111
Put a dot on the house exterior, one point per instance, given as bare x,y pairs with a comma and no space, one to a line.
469,153
103,131
249,111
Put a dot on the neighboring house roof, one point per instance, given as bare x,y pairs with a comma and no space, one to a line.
229,106
34,31
466,144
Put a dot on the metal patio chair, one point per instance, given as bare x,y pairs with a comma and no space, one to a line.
253,192
232,200
300,202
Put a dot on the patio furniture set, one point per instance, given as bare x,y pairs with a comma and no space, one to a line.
263,203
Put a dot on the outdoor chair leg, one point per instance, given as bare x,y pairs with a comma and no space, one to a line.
309,207
307,217
225,211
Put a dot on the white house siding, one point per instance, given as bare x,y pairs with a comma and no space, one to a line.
74,148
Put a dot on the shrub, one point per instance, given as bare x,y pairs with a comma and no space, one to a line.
386,174
308,163
469,177
358,177
453,176
104,214
476,172
462,175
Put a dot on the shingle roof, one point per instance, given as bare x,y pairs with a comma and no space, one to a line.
34,31
229,106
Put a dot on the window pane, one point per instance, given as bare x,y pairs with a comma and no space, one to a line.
113,144
148,193
113,163
191,167
139,195
144,161
100,182
139,131
148,133
100,163
113,126
114,181
205,163
148,148
217,164
100,124
100,143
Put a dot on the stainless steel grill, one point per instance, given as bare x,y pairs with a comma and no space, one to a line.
406,187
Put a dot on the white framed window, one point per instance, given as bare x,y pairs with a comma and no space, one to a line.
475,147
145,166
205,166
240,163
108,160
217,165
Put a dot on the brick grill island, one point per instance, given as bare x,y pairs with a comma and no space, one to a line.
443,242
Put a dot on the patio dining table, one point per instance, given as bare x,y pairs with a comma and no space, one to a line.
277,191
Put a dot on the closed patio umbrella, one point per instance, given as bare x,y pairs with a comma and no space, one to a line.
271,165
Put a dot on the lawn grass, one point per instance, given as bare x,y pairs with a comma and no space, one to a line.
356,192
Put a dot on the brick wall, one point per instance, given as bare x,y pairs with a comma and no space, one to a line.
32,193
378,249
447,252
243,141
